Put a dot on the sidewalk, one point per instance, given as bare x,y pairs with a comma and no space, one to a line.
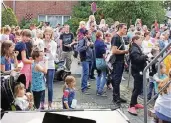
95,102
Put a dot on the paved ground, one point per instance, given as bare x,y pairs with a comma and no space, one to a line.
92,101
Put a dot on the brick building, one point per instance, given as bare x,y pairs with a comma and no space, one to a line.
50,11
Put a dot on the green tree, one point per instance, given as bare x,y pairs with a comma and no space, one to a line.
8,17
126,11
122,11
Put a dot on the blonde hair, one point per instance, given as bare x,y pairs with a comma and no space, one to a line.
163,83
81,23
6,29
48,29
68,81
102,21
90,17
39,34
17,88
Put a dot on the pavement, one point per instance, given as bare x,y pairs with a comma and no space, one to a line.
93,101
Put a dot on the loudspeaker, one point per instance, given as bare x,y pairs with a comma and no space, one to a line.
58,118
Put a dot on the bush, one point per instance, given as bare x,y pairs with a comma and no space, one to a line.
8,17
25,24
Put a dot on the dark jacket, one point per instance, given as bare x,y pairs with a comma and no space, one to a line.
85,51
100,48
138,59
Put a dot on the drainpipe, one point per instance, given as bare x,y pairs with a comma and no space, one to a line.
14,6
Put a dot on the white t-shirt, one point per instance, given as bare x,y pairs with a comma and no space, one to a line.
39,43
22,102
147,46
163,104
52,55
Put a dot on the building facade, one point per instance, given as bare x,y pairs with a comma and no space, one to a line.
48,11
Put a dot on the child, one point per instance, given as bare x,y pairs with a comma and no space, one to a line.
81,30
7,31
38,82
23,55
153,71
162,105
50,47
8,57
37,41
163,76
22,99
68,92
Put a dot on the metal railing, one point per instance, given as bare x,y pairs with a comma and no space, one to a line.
145,81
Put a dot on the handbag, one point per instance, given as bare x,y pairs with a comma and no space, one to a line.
100,64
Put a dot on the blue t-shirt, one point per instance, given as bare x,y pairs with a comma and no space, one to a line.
162,76
20,46
7,63
38,81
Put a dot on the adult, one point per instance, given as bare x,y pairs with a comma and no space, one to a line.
147,45
119,51
93,38
100,49
50,47
33,30
66,41
131,32
85,57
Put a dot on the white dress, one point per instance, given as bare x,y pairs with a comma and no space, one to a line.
22,102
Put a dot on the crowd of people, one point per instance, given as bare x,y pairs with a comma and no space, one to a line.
106,50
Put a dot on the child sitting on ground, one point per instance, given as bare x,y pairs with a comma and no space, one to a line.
68,99
22,99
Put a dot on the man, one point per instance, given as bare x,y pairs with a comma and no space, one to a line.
85,57
93,38
66,41
119,51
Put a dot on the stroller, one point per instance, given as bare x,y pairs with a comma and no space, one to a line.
60,71
8,84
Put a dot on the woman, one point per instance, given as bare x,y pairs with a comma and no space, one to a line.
147,45
108,38
100,50
50,48
138,63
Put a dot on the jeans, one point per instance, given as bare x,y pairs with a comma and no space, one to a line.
163,117
85,75
49,79
117,72
151,89
37,97
138,85
100,81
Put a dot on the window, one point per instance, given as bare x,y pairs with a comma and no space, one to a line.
54,19
66,18
42,18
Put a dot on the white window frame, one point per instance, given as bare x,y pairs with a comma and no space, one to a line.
46,16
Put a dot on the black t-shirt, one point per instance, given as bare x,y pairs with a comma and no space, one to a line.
66,39
117,41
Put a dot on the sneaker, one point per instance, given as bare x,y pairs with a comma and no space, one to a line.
139,106
42,107
122,100
132,110
103,94
88,84
117,104
85,92
123,79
